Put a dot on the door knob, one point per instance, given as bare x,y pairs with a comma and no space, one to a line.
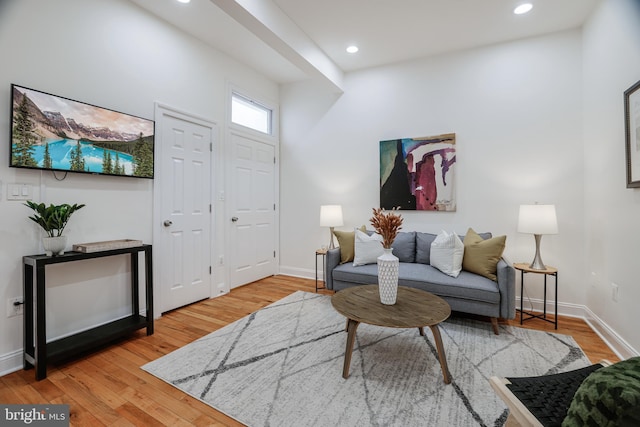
167,223
234,219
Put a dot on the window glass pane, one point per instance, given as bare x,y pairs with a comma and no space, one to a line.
250,114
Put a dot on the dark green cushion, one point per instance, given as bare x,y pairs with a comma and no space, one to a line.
608,397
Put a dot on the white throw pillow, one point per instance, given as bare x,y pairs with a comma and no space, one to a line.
447,251
367,248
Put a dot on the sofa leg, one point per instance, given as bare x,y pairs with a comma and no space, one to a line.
494,323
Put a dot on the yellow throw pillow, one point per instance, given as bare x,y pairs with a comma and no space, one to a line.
482,256
346,241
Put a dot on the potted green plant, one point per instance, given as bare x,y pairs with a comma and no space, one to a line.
53,219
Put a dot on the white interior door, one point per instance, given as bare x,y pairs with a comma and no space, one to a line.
253,211
185,210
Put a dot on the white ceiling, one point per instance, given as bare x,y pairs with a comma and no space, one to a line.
387,31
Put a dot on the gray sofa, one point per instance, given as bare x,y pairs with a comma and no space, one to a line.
467,293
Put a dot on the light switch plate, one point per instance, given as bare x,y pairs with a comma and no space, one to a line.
19,191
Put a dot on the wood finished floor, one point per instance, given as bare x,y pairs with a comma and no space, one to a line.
108,387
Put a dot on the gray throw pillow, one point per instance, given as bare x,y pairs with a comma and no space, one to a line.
404,246
484,236
423,247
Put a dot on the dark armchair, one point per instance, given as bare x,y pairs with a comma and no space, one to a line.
602,394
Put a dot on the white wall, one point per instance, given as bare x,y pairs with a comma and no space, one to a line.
536,120
529,128
611,65
115,55
516,109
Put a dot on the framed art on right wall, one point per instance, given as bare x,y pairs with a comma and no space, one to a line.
632,133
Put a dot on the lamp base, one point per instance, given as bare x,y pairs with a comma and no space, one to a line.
331,244
537,263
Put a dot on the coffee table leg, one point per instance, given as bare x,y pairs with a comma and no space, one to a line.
352,325
443,360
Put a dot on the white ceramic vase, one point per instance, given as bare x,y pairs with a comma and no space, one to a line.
54,245
388,277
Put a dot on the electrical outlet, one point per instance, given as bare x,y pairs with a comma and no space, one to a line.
14,310
614,292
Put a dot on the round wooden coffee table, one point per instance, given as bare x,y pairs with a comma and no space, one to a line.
413,309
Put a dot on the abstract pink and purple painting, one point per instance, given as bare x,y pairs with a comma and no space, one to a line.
418,173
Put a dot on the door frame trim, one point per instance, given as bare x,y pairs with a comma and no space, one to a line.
160,111
229,230
272,139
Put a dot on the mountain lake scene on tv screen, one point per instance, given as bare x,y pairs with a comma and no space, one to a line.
51,132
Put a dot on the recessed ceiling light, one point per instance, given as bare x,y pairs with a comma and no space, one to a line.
352,49
184,1
523,8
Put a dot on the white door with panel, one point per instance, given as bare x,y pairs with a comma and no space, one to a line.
185,242
253,210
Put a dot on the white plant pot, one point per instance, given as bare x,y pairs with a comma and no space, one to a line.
54,245
388,277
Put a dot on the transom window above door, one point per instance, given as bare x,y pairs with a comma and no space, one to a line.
251,114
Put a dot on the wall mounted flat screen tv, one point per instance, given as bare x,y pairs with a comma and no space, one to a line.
49,132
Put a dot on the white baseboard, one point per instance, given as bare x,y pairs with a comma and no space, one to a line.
303,273
611,338
615,342
564,308
10,362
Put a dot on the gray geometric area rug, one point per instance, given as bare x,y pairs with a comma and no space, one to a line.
282,366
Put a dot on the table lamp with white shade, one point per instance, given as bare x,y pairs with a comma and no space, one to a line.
331,216
537,220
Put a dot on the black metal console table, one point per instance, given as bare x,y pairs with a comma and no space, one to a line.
37,352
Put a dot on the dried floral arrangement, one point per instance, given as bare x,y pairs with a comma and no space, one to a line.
387,224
